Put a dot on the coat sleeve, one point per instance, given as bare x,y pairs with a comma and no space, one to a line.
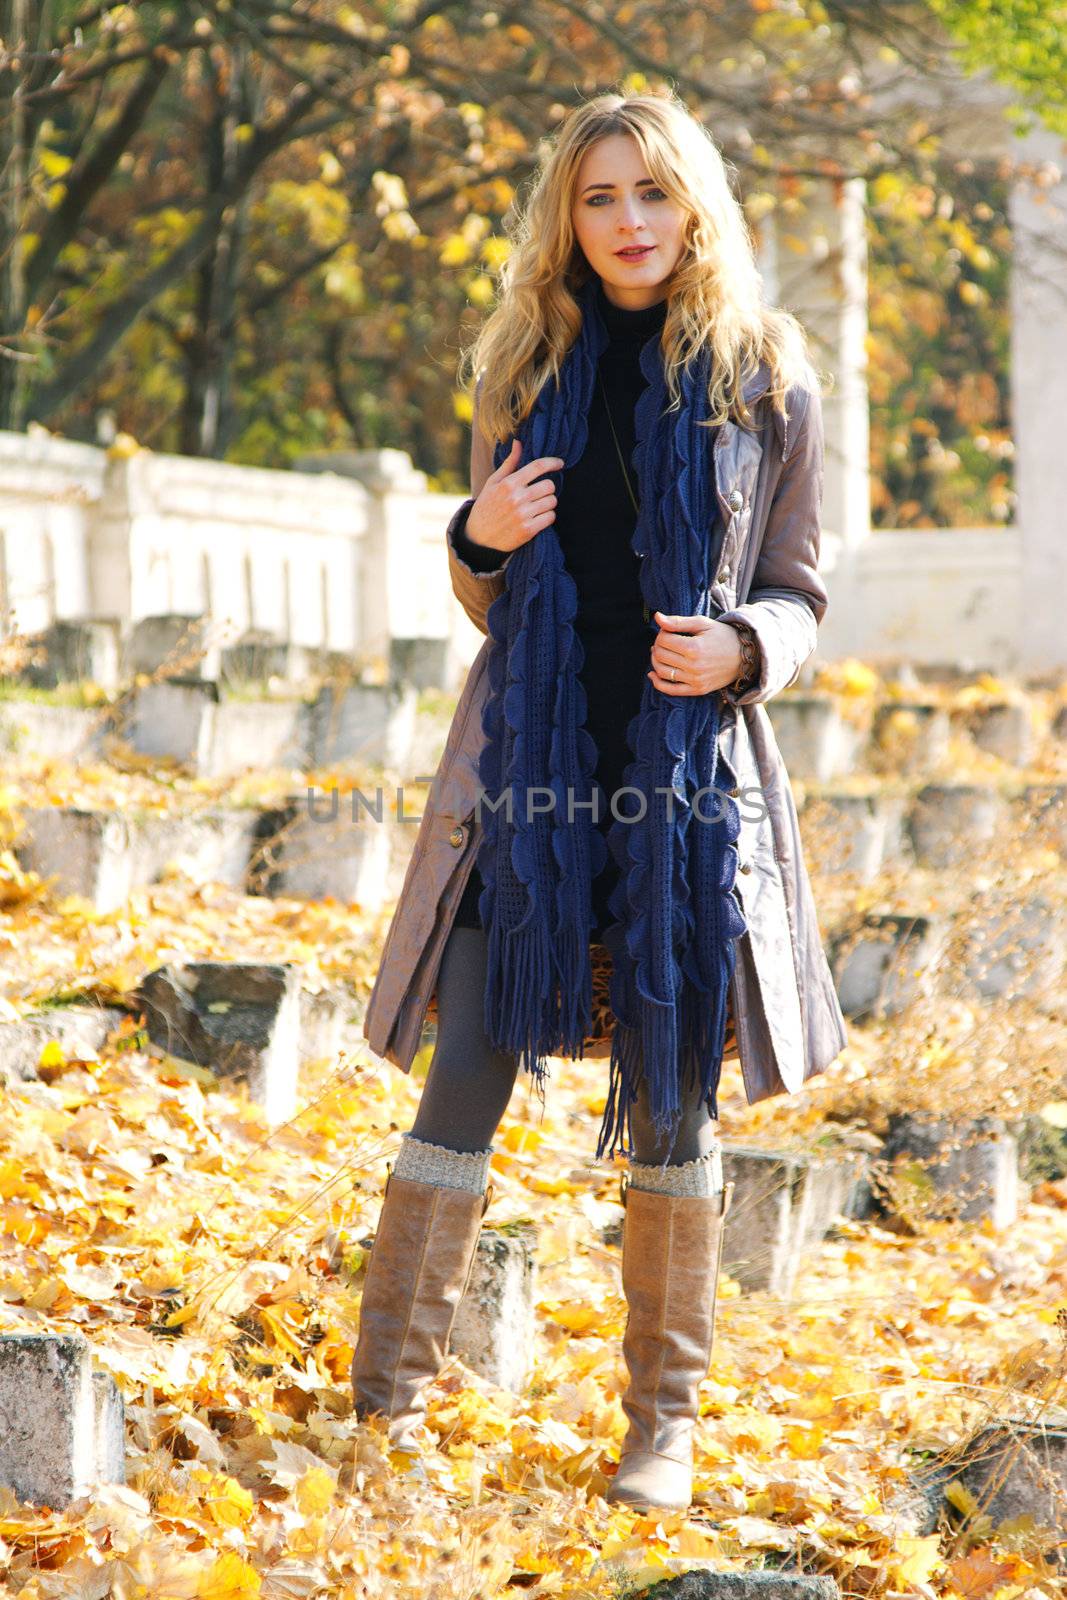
474,588
788,599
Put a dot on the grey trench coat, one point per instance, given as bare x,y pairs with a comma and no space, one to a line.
789,1026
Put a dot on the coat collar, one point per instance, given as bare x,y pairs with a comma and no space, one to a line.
753,388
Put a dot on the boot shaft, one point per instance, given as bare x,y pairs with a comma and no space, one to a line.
419,1267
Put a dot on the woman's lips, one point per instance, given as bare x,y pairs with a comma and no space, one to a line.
635,255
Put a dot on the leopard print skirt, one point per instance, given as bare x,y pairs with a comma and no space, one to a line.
598,1041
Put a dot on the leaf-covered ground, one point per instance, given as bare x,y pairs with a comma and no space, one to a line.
216,1265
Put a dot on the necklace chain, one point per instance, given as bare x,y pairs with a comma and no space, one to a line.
618,447
622,464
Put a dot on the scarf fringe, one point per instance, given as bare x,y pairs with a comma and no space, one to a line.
518,976
574,1018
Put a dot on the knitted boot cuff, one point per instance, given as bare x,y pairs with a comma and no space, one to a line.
701,1177
447,1169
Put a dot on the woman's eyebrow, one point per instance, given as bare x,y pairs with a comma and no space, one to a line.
589,186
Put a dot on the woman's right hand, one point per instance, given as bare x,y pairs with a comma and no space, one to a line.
515,502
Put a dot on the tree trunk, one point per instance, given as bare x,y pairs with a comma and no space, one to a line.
206,423
14,30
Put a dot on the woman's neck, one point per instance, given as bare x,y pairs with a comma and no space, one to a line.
622,322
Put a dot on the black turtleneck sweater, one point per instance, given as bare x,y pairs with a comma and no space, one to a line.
595,523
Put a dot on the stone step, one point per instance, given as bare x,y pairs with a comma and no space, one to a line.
702,1582
299,848
823,736
193,722
982,943
843,831
104,855
309,851
248,1022
329,1022
493,1333
74,652
784,1203
79,1030
495,1324
993,947
97,650
62,1424
941,1169
1016,1467
861,831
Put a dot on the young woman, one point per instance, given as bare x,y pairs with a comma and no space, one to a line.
647,450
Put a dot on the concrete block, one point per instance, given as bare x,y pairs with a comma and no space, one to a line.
909,736
884,961
705,1584
76,652
917,1504
109,1429
240,1019
1018,1468
39,732
1005,729
949,822
1018,948
326,846
175,719
209,846
420,662
172,643
948,1169
363,722
854,833
783,1204
815,740
80,1030
1042,1148
494,1328
254,658
260,659
83,852
249,735
61,1423
330,1021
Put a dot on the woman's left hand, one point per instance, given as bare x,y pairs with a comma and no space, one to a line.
694,655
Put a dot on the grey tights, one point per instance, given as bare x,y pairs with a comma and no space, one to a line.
469,1083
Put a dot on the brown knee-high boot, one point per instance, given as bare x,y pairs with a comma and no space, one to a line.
671,1253
419,1267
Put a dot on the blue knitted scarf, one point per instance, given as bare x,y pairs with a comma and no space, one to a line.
672,940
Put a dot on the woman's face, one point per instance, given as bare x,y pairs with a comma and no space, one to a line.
618,207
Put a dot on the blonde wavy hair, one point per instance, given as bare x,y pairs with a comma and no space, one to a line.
714,293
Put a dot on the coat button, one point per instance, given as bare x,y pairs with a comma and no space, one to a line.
723,575
744,866
456,837
734,792
735,499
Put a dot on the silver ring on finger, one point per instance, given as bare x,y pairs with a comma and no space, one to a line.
674,674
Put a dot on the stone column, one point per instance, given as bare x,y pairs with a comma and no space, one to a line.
1038,213
821,276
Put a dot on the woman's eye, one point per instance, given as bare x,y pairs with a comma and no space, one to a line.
649,194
